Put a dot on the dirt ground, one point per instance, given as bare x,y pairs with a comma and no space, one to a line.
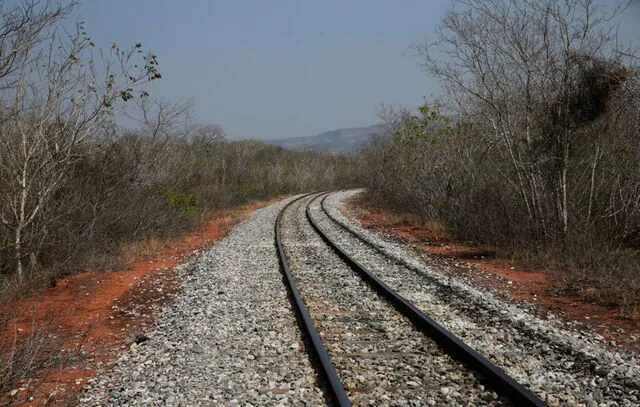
83,322
480,266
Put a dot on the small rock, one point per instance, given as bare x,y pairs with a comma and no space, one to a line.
141,338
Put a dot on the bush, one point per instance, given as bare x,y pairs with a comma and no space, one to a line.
138,186
445,170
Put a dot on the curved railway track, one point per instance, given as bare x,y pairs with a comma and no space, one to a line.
342,301
335,387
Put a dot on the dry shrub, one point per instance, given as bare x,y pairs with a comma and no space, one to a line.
136,191
25,349
446,176
540,155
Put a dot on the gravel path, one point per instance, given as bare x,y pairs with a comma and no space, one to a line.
230,338
380,358
563,366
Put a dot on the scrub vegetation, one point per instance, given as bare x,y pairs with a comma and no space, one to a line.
534,147
75,186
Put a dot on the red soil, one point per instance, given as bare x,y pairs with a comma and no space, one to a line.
88,319
479,265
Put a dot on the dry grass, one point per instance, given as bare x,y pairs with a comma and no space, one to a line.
394,217
141,250
25,349
224,220
589,270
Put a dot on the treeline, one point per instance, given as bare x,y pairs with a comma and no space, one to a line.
74,186
535,149
155,181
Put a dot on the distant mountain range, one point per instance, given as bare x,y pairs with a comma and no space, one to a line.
343,140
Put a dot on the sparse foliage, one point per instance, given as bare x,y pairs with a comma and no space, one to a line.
56,97
541,155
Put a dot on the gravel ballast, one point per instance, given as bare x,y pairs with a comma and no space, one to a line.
562,365
230,338
379,356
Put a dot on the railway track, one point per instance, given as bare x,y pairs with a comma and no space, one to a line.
373,346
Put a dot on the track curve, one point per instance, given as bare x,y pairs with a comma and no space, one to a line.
336,389
493,375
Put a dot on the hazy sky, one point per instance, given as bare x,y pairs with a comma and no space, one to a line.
276,68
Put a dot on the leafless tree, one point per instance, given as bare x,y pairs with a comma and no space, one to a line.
59,93
515,65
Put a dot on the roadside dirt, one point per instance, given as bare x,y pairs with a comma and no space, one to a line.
480,266
84,321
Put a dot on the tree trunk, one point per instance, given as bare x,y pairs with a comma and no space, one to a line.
563,186
21,222
596,157
18,254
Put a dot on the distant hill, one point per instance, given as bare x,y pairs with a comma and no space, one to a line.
343,140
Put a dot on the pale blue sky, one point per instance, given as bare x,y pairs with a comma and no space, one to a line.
278,68
271,69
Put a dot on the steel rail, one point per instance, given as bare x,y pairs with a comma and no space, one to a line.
336,388
491,374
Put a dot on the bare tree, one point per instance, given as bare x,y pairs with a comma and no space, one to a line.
23,25
60,93
517,65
